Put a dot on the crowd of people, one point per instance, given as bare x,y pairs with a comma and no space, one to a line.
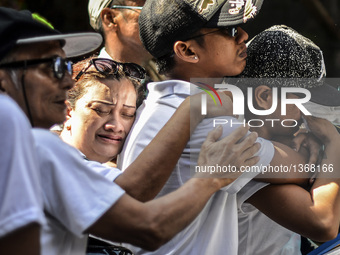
119,177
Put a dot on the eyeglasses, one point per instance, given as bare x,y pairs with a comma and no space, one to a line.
59,65
232,31
108,66
126,7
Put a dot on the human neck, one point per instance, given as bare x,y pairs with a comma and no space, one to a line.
121,53
187,72
65,135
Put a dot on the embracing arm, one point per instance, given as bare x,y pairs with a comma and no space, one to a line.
286,158
295,153
313,214
152,224
25,240
145,177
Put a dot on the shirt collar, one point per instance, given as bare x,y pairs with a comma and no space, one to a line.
103,54
170,87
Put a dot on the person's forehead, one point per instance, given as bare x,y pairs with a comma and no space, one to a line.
98,88
113,87
98,91
39,50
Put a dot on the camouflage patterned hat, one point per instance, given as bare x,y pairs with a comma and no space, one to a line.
163,22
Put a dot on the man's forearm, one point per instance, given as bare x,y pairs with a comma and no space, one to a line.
314,214
284,156
325,190
150,225
174,212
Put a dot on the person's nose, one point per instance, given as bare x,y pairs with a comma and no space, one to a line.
114,124
242,36
66,82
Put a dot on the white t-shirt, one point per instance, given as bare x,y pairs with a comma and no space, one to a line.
75,196
110,173
20,187
260,235
103,54
215,230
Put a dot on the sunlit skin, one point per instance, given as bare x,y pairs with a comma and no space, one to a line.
122,37
129,28
271,130
101,119
224,55
293,113
220,55
46,94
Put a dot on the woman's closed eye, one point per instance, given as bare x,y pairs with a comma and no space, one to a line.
101,110
128,114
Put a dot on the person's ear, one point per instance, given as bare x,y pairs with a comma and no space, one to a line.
6,84
186,51
108,19
263,96
69,113
2,81
69,110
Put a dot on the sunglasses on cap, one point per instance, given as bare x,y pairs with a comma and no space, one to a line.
108,66
231,31
59,65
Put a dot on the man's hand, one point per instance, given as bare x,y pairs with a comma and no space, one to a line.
322,132
229,151
310,143
322,129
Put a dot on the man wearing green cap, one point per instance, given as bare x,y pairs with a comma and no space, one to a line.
21,198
